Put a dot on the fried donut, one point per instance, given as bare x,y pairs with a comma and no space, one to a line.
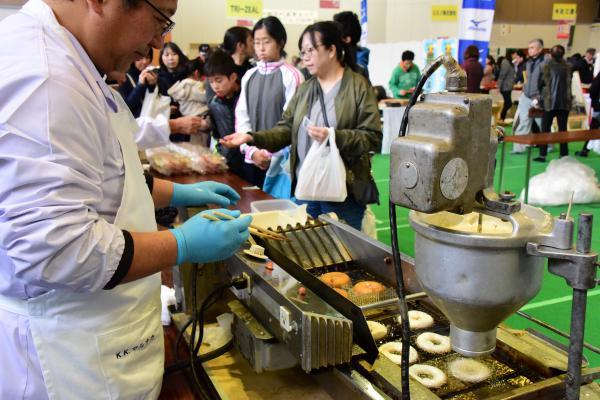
393,351
342,292
335,279
367,287
378,330
427,375
418,319
468,370
433,343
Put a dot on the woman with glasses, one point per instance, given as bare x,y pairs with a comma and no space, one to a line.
266,91
335,98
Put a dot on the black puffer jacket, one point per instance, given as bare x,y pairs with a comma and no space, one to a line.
222,113
555,85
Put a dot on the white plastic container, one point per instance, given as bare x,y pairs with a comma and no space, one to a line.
272,205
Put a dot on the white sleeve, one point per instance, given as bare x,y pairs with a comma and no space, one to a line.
242,119
292,78
53,148
153,132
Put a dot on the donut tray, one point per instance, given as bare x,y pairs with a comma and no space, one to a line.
507,374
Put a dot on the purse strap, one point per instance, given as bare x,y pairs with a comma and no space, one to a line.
322,101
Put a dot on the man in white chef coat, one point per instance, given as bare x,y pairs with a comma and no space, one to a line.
79,250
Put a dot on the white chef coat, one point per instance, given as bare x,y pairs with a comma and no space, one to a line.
63,173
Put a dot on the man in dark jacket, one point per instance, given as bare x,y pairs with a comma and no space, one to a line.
531,95
580,64
555,88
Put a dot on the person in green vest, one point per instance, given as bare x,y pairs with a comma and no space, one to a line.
405,76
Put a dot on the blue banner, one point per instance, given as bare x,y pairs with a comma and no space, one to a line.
476,21
363,23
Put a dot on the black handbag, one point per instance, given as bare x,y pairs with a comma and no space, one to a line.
365,192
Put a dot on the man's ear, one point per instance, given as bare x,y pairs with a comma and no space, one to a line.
233,76
96,5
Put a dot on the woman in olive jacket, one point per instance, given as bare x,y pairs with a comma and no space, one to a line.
350,109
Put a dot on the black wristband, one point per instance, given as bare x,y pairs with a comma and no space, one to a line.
149,181
124,264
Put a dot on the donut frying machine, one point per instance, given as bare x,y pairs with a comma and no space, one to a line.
479,257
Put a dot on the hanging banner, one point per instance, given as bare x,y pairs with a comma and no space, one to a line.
444,13
476,20
245,9
564,11
563,30
363,22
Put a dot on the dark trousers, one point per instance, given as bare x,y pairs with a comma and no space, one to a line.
561,116
348,210
507,104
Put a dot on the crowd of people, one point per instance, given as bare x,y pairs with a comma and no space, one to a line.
544,78
255,104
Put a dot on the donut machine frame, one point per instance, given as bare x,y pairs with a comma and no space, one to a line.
327,335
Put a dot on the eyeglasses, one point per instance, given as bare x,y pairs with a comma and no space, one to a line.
309,52
167,25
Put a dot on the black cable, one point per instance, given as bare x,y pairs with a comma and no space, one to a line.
198,321
400,289
178,366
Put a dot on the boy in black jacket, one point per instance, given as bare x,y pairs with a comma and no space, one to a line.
220,71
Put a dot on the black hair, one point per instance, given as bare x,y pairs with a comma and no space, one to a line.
472,51
331,35
130,3
591,50
183,60
233,36
219,63
492,60
350,26
557,52
408,55
521,53
275,29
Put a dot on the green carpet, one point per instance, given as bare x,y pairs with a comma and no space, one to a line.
552,304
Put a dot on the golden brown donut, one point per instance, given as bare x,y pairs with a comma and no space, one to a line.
368,287
335,279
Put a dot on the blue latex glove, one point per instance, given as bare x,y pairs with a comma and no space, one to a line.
200,240
203,193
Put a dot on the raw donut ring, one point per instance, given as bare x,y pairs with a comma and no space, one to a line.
468,370
368,287
336,279
433,343
429,376
378,330
393,351
342,292
418,319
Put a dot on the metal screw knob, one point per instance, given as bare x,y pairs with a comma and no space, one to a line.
507,196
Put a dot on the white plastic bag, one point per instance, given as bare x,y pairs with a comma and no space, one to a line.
562,178
155,104
322,176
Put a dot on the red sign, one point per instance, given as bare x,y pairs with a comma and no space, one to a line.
329,3
248,23
563,29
